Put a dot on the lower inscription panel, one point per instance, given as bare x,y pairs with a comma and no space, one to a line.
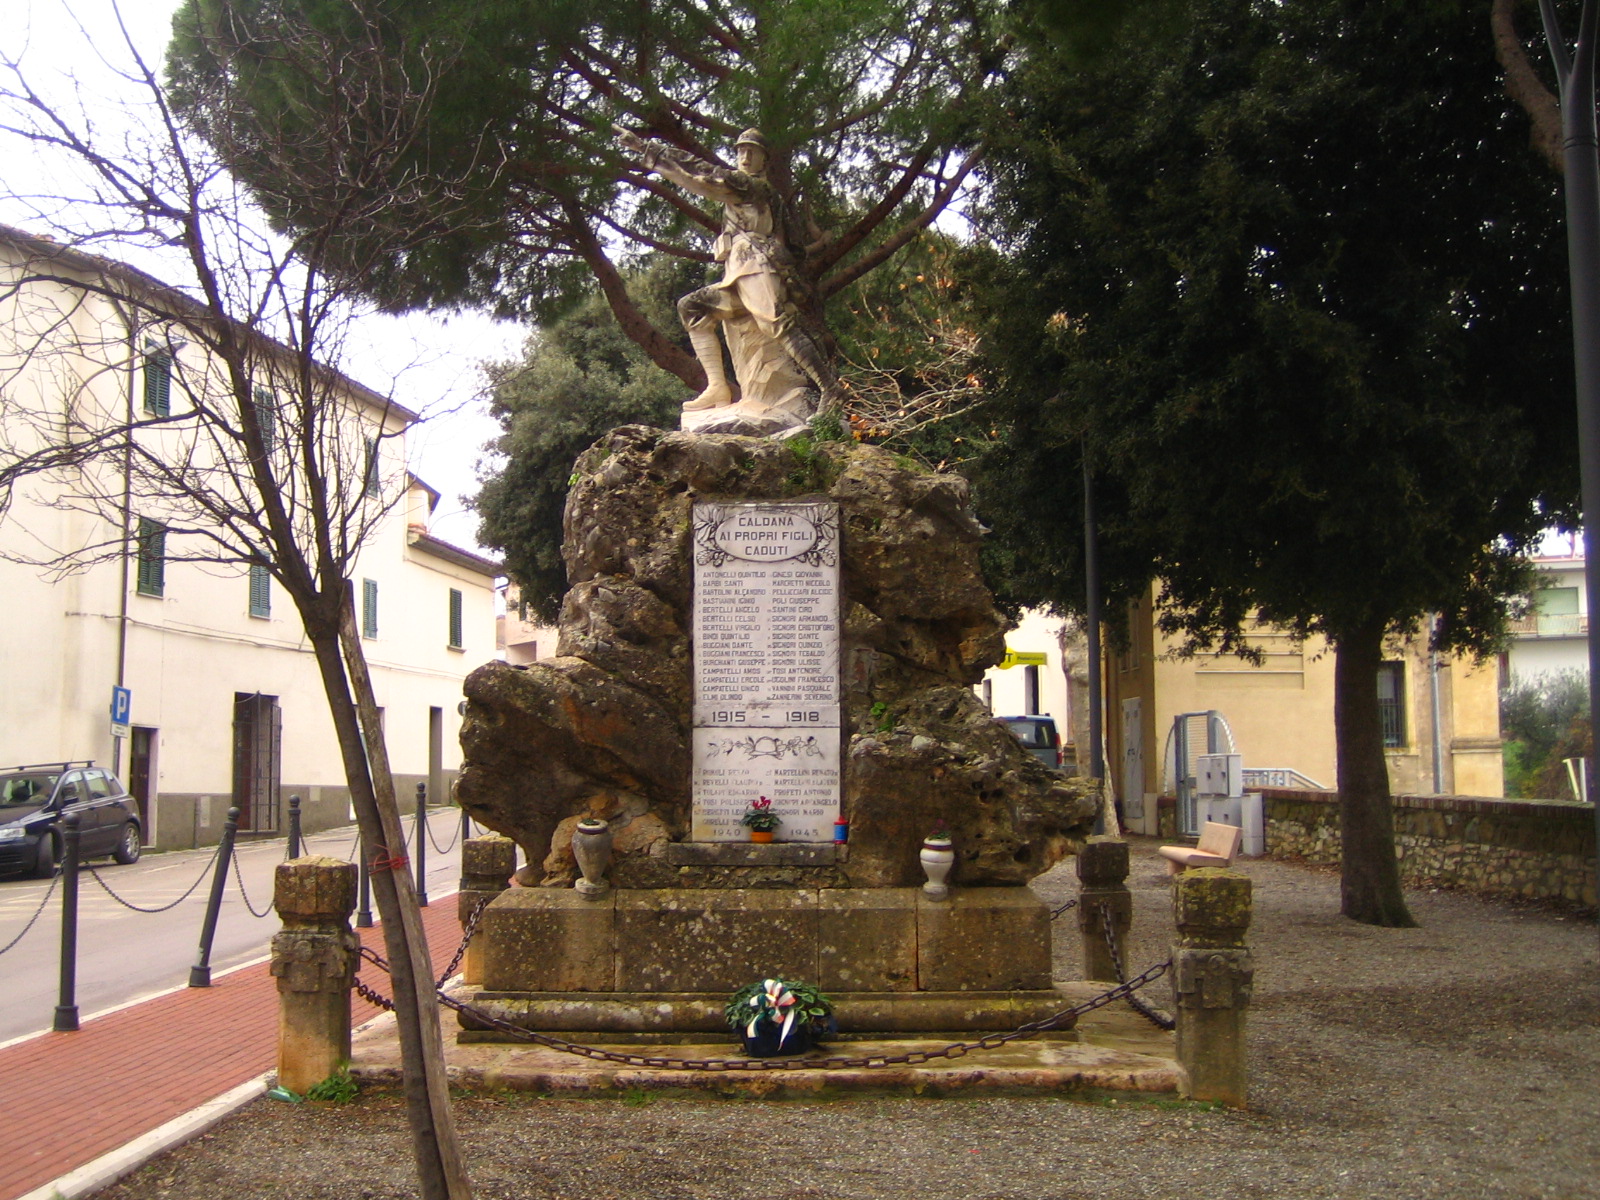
795,767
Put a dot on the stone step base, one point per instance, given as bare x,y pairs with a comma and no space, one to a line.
663,1013
1019,1068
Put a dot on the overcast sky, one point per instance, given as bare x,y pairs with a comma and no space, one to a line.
440,356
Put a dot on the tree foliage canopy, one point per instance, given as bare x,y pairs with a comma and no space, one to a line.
1287,275
1289,282
869,107
577,378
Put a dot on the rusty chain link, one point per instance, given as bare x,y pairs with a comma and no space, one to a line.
48,892
466,937
1149,1012
868,1062
128,904
1070,904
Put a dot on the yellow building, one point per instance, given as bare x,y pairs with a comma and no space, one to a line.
1278,714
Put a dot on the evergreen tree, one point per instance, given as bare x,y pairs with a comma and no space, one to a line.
1286,276
511,161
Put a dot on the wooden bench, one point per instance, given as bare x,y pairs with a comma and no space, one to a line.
1218,844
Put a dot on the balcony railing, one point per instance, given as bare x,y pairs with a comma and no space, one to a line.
1551,625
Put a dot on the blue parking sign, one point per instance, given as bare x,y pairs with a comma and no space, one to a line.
121,705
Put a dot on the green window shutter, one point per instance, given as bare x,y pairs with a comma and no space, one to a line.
371,483
158,384
260,592
455,618
369,608
152,555
267,418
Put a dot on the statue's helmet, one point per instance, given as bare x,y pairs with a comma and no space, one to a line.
753,137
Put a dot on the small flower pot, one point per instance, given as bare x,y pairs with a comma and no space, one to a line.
765,1042
761,835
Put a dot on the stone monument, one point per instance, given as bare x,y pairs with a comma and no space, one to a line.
761,618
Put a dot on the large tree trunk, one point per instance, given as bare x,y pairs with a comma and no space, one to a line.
434,1143
1369,884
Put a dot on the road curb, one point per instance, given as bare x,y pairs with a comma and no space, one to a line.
108,1168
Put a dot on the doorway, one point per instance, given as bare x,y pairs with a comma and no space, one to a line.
257,745
141,769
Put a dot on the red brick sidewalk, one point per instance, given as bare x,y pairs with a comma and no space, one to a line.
75,1096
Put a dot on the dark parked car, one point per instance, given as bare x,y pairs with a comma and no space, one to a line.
1038,734
34,798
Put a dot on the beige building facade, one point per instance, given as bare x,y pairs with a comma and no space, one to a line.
1278,714
227,706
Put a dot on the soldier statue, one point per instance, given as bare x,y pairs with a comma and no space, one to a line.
755,301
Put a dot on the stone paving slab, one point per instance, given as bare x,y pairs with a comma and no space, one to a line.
1114,1049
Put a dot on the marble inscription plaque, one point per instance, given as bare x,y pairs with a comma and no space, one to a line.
766,667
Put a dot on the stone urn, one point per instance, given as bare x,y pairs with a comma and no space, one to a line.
937,858
591,848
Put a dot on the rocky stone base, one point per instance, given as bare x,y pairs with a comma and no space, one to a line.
689,948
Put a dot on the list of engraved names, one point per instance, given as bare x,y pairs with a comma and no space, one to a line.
766,667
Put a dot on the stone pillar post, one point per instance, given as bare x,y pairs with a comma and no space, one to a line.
486,867
314,961
1103,889
1212,971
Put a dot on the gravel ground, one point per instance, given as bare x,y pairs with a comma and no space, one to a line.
1460,1059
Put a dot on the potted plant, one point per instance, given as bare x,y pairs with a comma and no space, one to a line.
760,819
778,1016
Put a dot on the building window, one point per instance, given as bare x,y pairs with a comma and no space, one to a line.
988,694
369,608
158,384
152,555
1391,704
260,592
370,474
1030,689
455,618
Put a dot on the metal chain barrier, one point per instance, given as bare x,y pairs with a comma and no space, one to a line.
1139,1005
48,892
911,1058
448,846
106,887
466,937
238,878
1069,905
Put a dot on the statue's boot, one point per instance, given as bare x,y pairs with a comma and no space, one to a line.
809,358
708,350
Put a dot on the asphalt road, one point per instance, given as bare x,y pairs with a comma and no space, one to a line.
124,955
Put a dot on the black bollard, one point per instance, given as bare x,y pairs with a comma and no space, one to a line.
364,890
294,827
466,826
67,1002
200,973
421,832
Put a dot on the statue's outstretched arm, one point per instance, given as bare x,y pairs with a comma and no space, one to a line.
682,168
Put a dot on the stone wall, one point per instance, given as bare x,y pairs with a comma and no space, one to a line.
1542,849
